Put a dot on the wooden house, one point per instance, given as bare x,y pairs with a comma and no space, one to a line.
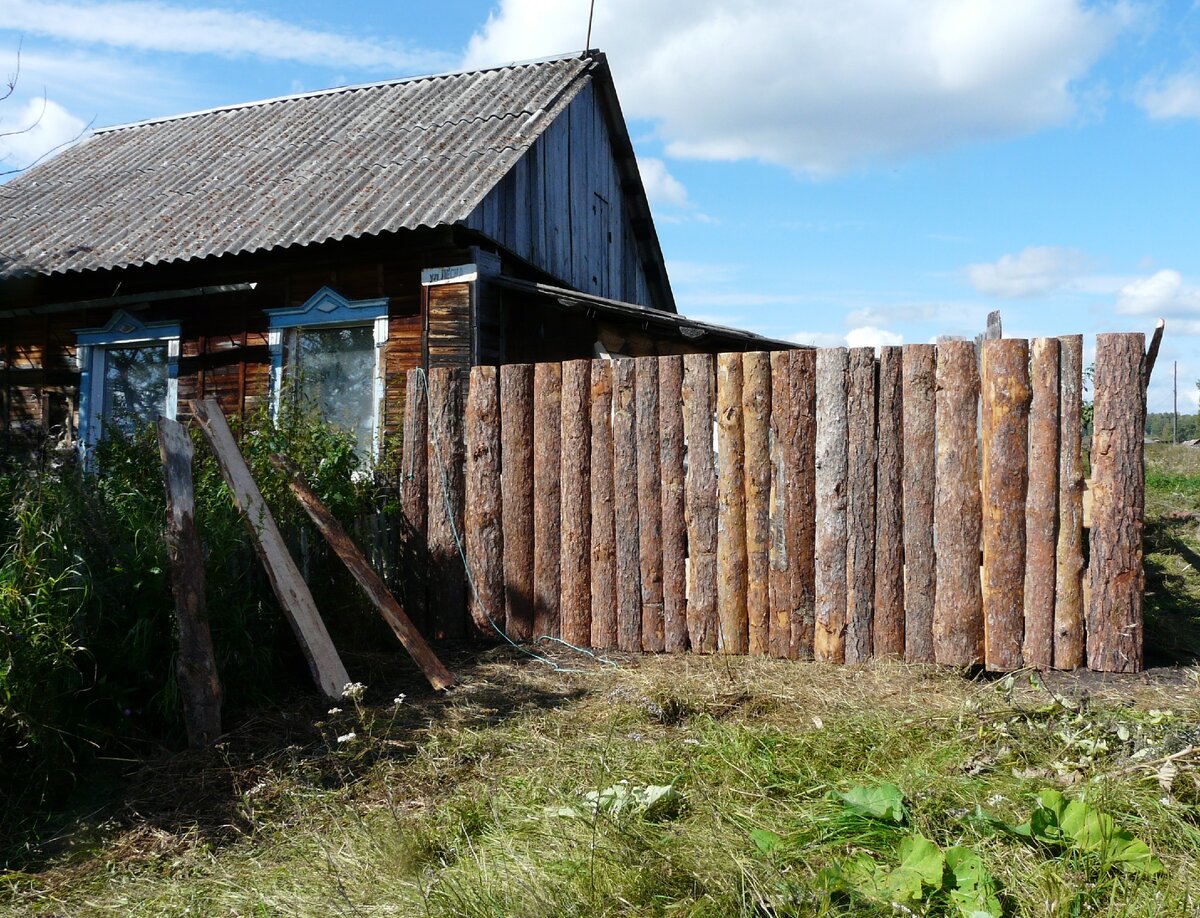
494,216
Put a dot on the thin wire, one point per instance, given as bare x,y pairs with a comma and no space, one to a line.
458,543
587,45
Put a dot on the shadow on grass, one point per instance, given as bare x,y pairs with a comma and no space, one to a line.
1172,594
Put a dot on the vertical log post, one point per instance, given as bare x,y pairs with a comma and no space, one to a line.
700,502
1004,386
604,550
829,640
801,500
196,665
414,484
674,527
888,633
756,432
731,507
576,515
482,513
447,587
1115,574
516,462
920,464
1041,506
783,467
547,544
649,495
860,505
958,607
625,505
1068,588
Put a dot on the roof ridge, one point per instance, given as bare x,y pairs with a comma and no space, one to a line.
354,87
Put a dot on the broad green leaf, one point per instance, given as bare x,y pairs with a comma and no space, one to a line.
765,840
884,802
974,893
921,865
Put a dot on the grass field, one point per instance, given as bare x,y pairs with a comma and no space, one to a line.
677,786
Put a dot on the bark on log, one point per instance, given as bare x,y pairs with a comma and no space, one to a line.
731,507
196,664
649,494
801,500
446,460
1005,394
576,503
604,551
547,546
516,460
625,505
783,468
414,484
829,641
1041,506
700,502
674,526
756,424
1115,573
860,504
920,465
888,634
482,513
1069,640
958,608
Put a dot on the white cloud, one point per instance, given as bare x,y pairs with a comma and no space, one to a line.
149,25
1176,96
865,336
1031,272
822,87
34,130
661,186
1163,293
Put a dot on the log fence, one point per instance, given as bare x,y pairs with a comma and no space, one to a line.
923,505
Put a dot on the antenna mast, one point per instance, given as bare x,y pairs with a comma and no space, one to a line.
591,13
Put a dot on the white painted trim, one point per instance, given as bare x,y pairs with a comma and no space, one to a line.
451,274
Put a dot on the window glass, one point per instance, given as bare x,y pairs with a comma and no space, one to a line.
337,376
135,386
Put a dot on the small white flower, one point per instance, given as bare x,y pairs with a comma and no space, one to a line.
399,699
691,742
347,738
354,691
333,711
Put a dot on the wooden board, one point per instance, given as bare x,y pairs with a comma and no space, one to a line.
700,502
830,502
516,460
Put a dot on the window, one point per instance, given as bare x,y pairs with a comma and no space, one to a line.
331,349
128,375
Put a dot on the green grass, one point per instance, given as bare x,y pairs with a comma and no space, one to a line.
1172,554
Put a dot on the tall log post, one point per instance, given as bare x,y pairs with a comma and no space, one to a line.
700,502
674,526
625,505
731,507
1041,506
604,551
829,641
888,633
1068,588
1005,390
482,509
801,501
783,466
756,431
447,588
649,493
575,478
958,607
547,544
860,505
1115,573
414,484
920,468
516,460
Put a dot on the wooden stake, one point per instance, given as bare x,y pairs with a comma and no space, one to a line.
516,461
447,582
756,421
674,526
1068,592
731,507
625,505
1041,506
888,633
547,540
700,505
801,499
920,465
649,493
482,514
196,665
830,562
784,461
372,584
860,505
414,483
576,503
1115,573
604,550
290,589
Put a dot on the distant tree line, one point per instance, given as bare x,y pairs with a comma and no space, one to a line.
1158,426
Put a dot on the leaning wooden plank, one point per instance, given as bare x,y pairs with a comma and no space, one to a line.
372,584
481,510
887,637
920,463
674,528
829,640
625,505
1115,573
290,588
1005,391
860,504
547,546
1069,639
516,462
700,502
576,516
1041,506
196,664
649,492
414,481
731,507
958,607
447,586
603,540
756,421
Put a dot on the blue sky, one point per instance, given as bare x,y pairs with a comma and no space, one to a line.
868,171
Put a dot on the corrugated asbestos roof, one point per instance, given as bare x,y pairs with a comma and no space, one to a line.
292,171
